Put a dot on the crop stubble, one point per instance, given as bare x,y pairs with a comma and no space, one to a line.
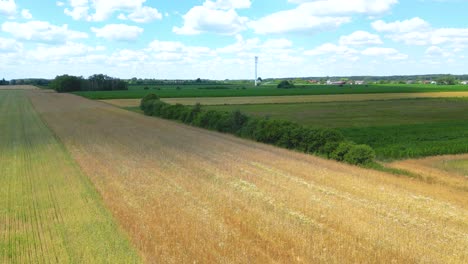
449,169
18,87
49,211
185,194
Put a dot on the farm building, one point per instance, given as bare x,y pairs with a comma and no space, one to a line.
329,82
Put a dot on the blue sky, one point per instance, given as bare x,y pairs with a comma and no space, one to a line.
218,39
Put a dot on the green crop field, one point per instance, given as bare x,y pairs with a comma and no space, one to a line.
217,86
137,92
49,210
396,129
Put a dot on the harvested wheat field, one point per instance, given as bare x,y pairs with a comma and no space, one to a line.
187,195
18,87
289,99
449,169
49,210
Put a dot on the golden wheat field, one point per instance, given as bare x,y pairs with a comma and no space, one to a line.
49,210
448,169
187,195
289,99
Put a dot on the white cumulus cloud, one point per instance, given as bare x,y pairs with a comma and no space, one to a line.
435,51
7,8
142,15
277,44
330,48
387,53
254,46
417,31
295,22
101,10
165,46
241,45
9,45
228,4
41,31
68,51
26,14
79,9
360,38
346,7
158,46
318,15
409,25
119,32
218,17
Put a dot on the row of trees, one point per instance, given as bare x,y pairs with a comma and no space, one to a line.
97,82
30,81
325,142
139,81
371,79
447,80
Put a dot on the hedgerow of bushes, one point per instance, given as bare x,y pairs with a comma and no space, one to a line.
285,85
325,142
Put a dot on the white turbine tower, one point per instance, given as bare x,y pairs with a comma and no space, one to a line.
256,64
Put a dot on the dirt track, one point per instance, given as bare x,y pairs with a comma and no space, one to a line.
185,194
289,99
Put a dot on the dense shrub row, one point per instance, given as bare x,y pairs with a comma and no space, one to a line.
326,142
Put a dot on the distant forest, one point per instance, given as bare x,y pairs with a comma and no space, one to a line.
96,82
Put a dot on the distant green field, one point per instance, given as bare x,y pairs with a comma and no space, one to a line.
411,141
136,92
396,129
361,113
219,86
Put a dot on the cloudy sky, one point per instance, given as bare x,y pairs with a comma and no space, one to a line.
218,39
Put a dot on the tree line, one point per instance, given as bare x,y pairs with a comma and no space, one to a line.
198,81
386,79
30,81
98,82
328,143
